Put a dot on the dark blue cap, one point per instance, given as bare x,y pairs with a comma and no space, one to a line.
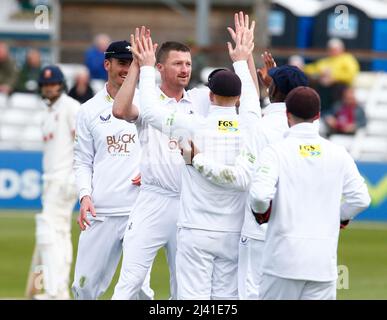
224,82
119,50
286,78
50,74
303,102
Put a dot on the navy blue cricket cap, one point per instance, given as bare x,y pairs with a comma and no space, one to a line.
50,74
287,77
119,50
303,102
224,82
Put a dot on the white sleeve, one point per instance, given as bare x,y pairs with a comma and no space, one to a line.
239,175
355,191
73,110
232,177
151,112
249,108
83,155
264,185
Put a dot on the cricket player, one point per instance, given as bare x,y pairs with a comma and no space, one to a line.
152,223
208,235
107,156
261,132
53,249
309,185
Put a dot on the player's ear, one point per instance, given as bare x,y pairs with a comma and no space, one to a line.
317,116
212,97
106,64
159,67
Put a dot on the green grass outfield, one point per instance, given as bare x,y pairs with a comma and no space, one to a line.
362,249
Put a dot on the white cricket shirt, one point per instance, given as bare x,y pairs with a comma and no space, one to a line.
204,205
306,177
161,163
107,156
58,127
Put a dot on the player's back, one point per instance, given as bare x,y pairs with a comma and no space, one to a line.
206,205
305,218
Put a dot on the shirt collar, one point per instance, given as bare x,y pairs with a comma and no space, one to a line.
165,99
274,108
219,109
303,129
57,103
106,95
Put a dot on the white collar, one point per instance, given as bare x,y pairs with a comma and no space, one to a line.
303,129
165,99
274,108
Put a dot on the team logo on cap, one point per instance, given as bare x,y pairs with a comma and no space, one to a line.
310,150
47,73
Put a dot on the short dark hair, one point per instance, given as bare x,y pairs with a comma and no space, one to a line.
168,46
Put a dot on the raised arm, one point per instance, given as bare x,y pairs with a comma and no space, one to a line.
241,24
237,176
123,107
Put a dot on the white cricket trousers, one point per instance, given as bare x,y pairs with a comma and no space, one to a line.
99,252
53,237
249,267
207,263
151,226
276,288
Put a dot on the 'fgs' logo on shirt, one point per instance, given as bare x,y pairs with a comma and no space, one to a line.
310,150
229,126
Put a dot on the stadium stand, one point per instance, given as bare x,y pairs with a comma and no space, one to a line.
20,116
369,143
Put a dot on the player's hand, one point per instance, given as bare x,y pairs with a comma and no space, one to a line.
145,51
137,180
138,34
243,37
188,151
241,24
244,46
263,73
262,217
86,206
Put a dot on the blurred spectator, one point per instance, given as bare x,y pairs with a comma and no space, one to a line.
8,72
297,61
338,67
82,91
29,73
95,57
330,75
347,115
